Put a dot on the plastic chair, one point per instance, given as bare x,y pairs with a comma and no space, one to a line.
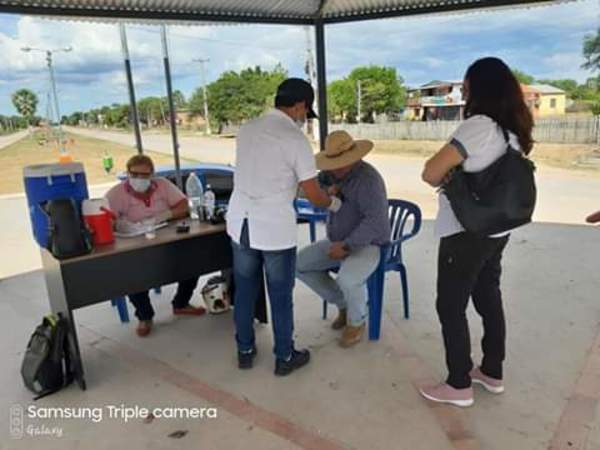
121,304
306,212
399,211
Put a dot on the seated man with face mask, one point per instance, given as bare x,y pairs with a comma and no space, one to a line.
143,197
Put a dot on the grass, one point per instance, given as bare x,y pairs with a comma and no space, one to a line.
566,156
88,151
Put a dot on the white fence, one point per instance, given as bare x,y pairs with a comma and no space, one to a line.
577,130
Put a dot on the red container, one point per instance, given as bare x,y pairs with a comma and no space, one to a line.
99,219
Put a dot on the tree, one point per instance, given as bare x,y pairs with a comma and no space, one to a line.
238,96
74,119
523,77
179,99
591,51
115,115
381,92
153,110
25,102
341,100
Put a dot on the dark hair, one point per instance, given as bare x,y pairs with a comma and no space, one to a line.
495,92
140,160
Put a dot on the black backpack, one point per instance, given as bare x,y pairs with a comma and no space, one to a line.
68,234
499,198
46,365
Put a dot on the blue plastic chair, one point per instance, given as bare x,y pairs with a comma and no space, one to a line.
306,212
400,212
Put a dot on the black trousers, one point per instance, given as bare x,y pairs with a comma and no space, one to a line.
469,266
143,307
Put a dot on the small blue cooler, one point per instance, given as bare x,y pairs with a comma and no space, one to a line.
45,182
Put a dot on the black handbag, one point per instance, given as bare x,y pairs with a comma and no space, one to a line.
496,199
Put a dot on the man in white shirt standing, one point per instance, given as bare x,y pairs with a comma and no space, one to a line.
273,157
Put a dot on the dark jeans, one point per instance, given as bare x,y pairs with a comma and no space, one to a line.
143,307
280,269
470,266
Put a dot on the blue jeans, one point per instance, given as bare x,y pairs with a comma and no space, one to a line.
279,267
349,289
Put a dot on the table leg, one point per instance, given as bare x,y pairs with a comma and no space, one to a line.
60,305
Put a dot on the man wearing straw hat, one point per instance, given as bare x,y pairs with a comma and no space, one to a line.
354,234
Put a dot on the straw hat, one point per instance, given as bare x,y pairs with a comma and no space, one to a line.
341,151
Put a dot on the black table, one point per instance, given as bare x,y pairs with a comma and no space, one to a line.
134,265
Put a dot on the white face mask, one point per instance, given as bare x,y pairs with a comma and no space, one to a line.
139,185
300,123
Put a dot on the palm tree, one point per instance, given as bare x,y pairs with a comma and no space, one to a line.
25,102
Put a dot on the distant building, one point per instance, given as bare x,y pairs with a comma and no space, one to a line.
436,100
545,100
442,100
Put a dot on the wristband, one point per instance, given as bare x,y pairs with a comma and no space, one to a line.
335,205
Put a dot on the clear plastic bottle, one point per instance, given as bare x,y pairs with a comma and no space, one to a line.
209,203
195,195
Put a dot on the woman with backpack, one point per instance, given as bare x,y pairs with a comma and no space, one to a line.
469,264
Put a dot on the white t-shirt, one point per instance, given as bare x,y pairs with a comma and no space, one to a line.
272,156
481,142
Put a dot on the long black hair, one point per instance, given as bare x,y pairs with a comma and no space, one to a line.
495,92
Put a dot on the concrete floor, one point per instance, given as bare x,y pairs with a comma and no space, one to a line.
360,398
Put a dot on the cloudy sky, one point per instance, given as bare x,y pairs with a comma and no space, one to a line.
543,41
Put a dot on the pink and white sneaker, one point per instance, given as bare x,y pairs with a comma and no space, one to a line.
490,384
444,393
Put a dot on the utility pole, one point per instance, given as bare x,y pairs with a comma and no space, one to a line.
49,53
48,110
132,103
206,118
359,99
172,108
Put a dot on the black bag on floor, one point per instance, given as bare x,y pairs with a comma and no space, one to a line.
68,234
499,198
46,365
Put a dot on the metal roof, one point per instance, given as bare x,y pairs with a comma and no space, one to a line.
254,11
546,89
439,83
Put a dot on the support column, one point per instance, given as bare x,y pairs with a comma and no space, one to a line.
172,108
132,103
321,81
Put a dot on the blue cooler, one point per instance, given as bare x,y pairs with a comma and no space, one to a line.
45,182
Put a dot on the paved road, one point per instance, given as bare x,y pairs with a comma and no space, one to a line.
218,150
8,139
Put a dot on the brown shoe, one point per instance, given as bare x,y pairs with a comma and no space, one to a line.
144,327
351,335
341,320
